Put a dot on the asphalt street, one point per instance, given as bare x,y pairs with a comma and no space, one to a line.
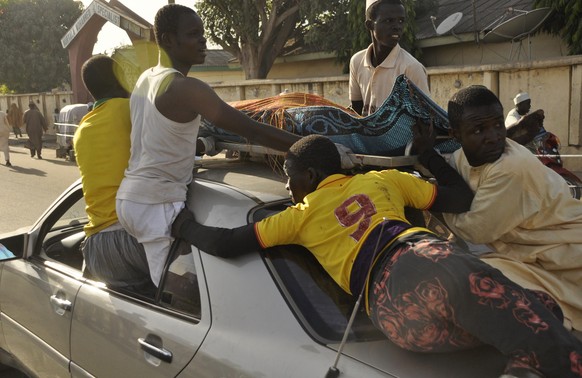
31,185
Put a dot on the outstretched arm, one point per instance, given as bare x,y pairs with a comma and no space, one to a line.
217,241
524,130
358,106
185,98
453,193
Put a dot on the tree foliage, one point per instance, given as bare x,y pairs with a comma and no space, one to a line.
32,58
359,36
564,21
257,32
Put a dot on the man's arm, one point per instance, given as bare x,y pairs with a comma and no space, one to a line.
453,194
357,106
217,241
524,130
185,98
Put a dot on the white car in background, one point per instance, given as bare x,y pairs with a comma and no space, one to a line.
274,314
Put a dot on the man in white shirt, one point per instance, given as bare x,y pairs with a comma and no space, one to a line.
523,126
522,103
374,70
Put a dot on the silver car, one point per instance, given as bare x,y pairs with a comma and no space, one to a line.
272,314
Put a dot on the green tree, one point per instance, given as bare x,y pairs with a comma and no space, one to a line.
32,58
564,21
257,32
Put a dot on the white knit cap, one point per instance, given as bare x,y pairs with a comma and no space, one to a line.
520,97
369,3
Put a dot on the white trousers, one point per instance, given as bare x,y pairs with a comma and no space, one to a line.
151,225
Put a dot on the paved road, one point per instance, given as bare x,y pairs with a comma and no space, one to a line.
31,185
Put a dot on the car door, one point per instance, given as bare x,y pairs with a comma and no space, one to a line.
37,291
123,335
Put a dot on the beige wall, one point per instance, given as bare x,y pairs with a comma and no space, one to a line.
46,103
218,77
554,84
291,68
295,67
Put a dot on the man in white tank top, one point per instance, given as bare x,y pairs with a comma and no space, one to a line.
166,106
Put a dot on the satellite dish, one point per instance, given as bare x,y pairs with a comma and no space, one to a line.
449,23
518,27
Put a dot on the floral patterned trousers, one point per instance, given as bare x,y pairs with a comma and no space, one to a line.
429,295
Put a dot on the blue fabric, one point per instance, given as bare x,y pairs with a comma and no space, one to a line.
5,253
384,133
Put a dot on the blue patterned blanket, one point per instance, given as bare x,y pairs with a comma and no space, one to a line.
384,133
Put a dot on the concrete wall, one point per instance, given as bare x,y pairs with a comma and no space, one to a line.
554,85
302,66
46,103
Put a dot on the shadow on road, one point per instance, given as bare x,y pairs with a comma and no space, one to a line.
27,171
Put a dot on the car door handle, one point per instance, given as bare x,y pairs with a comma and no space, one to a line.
63,304
161,353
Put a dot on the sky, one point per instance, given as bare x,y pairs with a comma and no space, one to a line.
111,36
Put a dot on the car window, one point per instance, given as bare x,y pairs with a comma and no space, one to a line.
180,291
319,303
61,236
62,233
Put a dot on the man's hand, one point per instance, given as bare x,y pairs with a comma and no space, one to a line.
524,130
184,216
209,145
423,136
533,122
349,160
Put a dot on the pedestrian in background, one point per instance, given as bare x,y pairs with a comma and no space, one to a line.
36,125
4,137
15,119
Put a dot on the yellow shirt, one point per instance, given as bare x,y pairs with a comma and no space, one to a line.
102,148
335,219
525,212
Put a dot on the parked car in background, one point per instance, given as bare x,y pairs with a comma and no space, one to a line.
68,120
271,314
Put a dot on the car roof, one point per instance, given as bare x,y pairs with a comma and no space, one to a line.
263,180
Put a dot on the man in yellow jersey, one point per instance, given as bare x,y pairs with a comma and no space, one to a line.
426,294
102,148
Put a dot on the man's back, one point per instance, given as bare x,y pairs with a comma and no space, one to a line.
102,150
338,217
162,150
